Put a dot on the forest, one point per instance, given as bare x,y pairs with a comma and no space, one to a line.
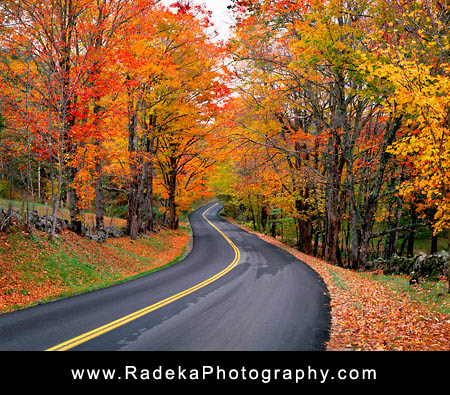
323,123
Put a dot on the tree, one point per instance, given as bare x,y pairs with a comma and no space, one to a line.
413,70
172,90
63,43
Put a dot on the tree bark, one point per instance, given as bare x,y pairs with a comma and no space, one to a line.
99,200
305,230
149,201
173,218
410,246
434,244
133,224
333,226
76,224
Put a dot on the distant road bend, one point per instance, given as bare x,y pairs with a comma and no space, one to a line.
232,292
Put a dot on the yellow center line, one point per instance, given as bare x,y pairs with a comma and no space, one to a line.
67,345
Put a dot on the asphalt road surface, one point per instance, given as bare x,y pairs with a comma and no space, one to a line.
233,292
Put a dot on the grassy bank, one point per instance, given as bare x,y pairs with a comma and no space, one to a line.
35,269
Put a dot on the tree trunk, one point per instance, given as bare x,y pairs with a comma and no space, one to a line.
133,225
434,244
99,200
316,244
149,225
149,202
356,241
305,236
173,218
302,205
363,218
273,230
133,220
410,246
253,217
333,228
392,239
76,224
264,218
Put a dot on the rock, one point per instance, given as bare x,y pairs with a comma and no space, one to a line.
99,237
33,217
113,232
39,222
16,215
414,279
398,265
5,220
109,232
45,223
373,265
431,266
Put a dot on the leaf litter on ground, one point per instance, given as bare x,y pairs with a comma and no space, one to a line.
370,315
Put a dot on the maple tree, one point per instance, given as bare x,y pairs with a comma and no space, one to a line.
170,103
101,72
320,116
191,102
61,42
415,80
345,102
413,68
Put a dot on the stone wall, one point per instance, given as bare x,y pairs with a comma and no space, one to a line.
420,266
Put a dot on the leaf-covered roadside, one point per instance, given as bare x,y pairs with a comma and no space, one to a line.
34,269
369,314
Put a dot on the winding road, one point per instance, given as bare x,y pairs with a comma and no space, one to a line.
233,292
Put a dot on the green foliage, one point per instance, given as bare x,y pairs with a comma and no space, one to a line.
118,211
4,188
221,182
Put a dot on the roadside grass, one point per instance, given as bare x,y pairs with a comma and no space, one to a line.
433,294
339,281
35,269
103,282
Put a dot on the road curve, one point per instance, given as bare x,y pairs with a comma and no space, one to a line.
233,292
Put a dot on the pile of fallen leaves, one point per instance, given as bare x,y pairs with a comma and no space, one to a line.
368,315
34,269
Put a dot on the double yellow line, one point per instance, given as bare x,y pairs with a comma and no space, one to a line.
67,345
